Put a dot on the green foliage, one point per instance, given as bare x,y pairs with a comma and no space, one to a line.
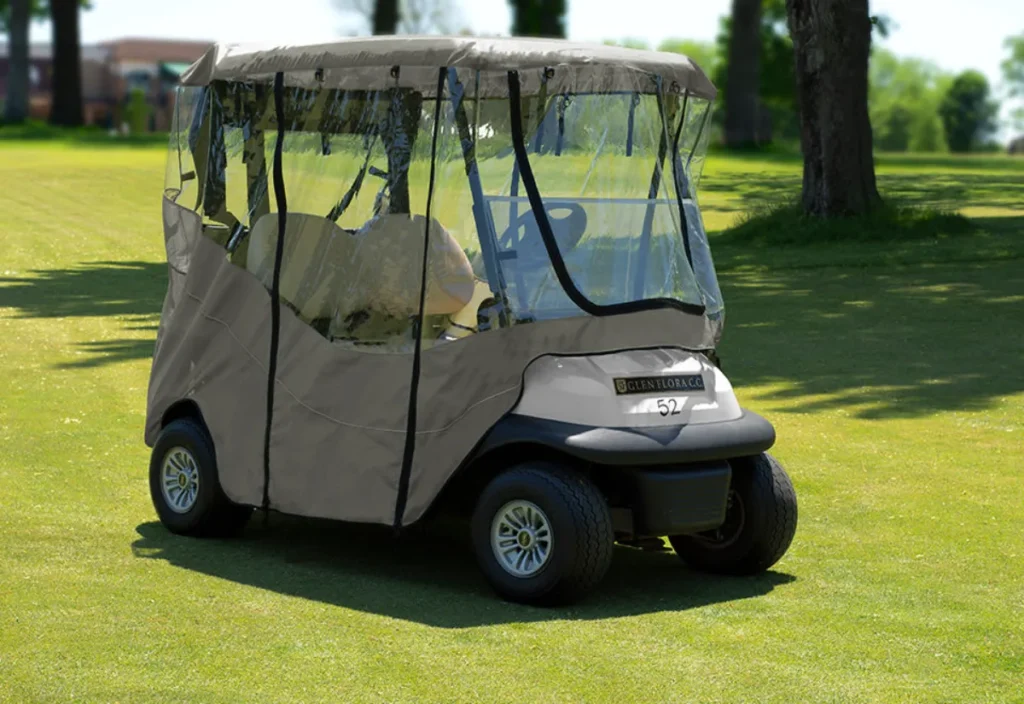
967,113
896,129
706,54
628,42
1013,67
1013,74
903,101
137,111
38,10
778,82
40,132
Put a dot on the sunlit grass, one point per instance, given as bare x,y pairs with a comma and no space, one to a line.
893,371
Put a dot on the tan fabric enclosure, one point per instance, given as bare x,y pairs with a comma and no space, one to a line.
339,418
352,63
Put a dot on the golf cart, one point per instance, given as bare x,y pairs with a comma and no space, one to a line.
416,273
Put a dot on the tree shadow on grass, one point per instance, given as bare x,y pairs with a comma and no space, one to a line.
428,575
102,352
884,342
133,290
950,190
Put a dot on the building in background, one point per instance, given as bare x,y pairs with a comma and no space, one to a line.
110,72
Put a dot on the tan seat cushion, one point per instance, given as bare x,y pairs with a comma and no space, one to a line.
391,247
327,272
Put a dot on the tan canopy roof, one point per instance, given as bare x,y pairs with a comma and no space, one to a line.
358,62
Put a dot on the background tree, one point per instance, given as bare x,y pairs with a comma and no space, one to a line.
538,18
967,113
385,17
903,100
401,17
832,45
14,20
776,115
66,108
1013,75
743,74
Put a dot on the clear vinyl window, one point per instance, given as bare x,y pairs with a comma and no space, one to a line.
612,168
616,171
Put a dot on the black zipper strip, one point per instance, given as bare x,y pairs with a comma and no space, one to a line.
681,182
410,426
275,289
548,236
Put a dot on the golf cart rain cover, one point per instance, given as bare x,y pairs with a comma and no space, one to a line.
616,170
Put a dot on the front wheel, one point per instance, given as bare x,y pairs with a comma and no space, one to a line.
759,526
542,534
184,486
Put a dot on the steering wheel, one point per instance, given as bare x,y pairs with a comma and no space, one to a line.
568,231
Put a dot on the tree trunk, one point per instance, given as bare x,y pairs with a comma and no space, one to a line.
538,18
16,104
832,43
385,17
743,75
67,64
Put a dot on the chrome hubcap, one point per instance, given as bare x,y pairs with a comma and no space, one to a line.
179,480
521,538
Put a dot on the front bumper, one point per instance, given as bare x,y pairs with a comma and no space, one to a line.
747,435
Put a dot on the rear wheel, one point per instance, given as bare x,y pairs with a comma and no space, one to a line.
542,534
184,486
759,525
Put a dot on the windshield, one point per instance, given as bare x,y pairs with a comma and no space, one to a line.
617,176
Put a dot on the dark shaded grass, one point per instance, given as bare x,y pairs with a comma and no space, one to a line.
892,224
35,131
428,576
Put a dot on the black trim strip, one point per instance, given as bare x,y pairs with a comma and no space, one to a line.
275,290
346,200
645,231
700,133
678,176
551,245
630,122
481,214
410,426
542,108
561,126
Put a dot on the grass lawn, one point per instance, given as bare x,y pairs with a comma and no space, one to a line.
894,373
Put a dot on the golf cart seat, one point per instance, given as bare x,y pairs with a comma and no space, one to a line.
316,254
391,249
568,221
361,286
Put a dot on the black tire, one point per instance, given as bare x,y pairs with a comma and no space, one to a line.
212,513
759,526
581,533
